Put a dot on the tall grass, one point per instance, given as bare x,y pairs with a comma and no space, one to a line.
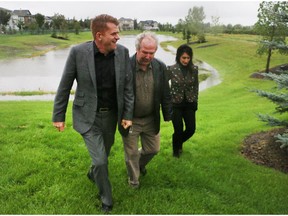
44,171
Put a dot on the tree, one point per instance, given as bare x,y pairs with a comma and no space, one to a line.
229,29
281,100
273,26
186,35
59,23
195,22
40,20
216,27
4,18
85,24
180,26
20,25
166,27
76,26
135,23
33,27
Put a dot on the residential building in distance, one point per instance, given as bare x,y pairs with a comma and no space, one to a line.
149,25
126,24
20,18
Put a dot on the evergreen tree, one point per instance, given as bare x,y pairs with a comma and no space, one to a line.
281,78
280,98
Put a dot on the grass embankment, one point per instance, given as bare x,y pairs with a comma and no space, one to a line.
23,46
44,171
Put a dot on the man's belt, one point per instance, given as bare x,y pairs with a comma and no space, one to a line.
103,109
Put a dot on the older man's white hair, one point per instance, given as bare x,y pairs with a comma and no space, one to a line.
143,35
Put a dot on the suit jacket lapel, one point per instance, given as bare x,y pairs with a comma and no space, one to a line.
117,67
155,69
91,63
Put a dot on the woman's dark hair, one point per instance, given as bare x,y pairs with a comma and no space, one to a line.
184,49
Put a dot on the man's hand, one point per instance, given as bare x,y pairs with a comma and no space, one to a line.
59,125
126,123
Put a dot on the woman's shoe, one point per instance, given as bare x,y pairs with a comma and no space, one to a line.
176,154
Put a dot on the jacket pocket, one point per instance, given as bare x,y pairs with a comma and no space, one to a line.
78,102
79,94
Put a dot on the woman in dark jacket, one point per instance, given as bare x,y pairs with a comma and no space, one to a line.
184,91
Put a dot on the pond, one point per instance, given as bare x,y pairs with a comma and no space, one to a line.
44,72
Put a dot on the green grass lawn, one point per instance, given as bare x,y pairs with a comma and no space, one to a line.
44,171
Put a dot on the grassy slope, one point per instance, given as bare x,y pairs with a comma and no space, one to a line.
43,172
12,46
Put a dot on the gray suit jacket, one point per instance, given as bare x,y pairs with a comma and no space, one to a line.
80,66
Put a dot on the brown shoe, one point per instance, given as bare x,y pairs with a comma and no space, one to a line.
134,186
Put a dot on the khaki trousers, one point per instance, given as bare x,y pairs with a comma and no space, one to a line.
143,131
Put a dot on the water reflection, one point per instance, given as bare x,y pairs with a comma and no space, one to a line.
33,74
212,80
44,72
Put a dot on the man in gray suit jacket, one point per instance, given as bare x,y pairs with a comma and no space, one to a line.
103,97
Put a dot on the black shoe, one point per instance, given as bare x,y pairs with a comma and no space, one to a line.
143,171
106,208
176,154
90,176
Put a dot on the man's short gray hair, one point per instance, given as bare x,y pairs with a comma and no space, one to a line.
143,35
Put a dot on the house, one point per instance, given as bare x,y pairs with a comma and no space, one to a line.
48,20
149,25
20,18
126,24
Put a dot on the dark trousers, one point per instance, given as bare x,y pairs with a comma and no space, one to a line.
99,140
182,115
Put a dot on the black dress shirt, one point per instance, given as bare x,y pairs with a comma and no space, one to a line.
105,78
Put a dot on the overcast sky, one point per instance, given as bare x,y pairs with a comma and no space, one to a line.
230,12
